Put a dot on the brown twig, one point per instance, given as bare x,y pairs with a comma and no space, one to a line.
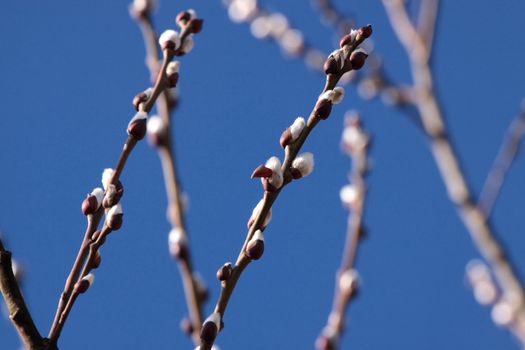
333,16
506,155
269,197
16,306
167,157
355,142
448,164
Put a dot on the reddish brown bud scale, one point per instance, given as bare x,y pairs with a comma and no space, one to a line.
224,272
115,221
179,250
345,40
255,249
195,25
168,45
82,286
138,129
138,99
209,332
172,80
357,59
365,32
322,109
262,171
182,17
285,138
89,205
268,187
331,66
296,174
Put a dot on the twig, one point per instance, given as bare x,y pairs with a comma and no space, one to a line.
447,161
166,154
333,16
270,195
506,155
16,306
355,142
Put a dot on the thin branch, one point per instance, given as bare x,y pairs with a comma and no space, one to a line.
166,154
291,151
16,306
426,26
355,143
480,230
508,151
333,16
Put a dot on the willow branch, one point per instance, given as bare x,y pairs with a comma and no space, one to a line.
333,16
426,26
353,196
480,230
174,194
506,155
16,306
269,197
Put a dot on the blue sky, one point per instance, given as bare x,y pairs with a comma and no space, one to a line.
69,71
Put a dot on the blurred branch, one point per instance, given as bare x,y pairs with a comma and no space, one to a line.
16,306
448,164
355,143
506,155
163,142
333,16
275,177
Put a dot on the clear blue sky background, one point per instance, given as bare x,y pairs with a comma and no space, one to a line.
69,70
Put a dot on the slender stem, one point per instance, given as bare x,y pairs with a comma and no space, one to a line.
474,219
291,151
174,194
506,155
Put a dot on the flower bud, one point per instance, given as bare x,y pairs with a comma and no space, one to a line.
292,133
348,38
186,326
255,247
338,94
349,195
93,201
364,32
137,126
195,25
322,109
177,243
304,163
328,339
262,171
200,286
331,66
224,272
169,40
255,213
140,8
349,282
83,285
182,18
157,131
173,67
187,46
114,217
358,58
211,327
141,97
275,181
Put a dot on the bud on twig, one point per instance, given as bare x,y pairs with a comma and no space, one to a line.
97,260
172,73
224,272
292,133
113,192
182,18
169,40
348,38
83,285
328,340
349,195
177,243
141,97
255,247
200,286
323,108
275,181
262,171
211,327
304,164
137,126
114,217
255,213
349,282
187,46
93,201
186,326
157,131
195,25
358,58
140,8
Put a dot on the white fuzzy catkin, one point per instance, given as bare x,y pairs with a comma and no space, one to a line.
277,177
338,95
215,318
297,127
187,46
115,210
349,195
138,116
173,67
106,176
99,195
257,236
169,35
256,211
155,125
176,236
90,278
304,162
